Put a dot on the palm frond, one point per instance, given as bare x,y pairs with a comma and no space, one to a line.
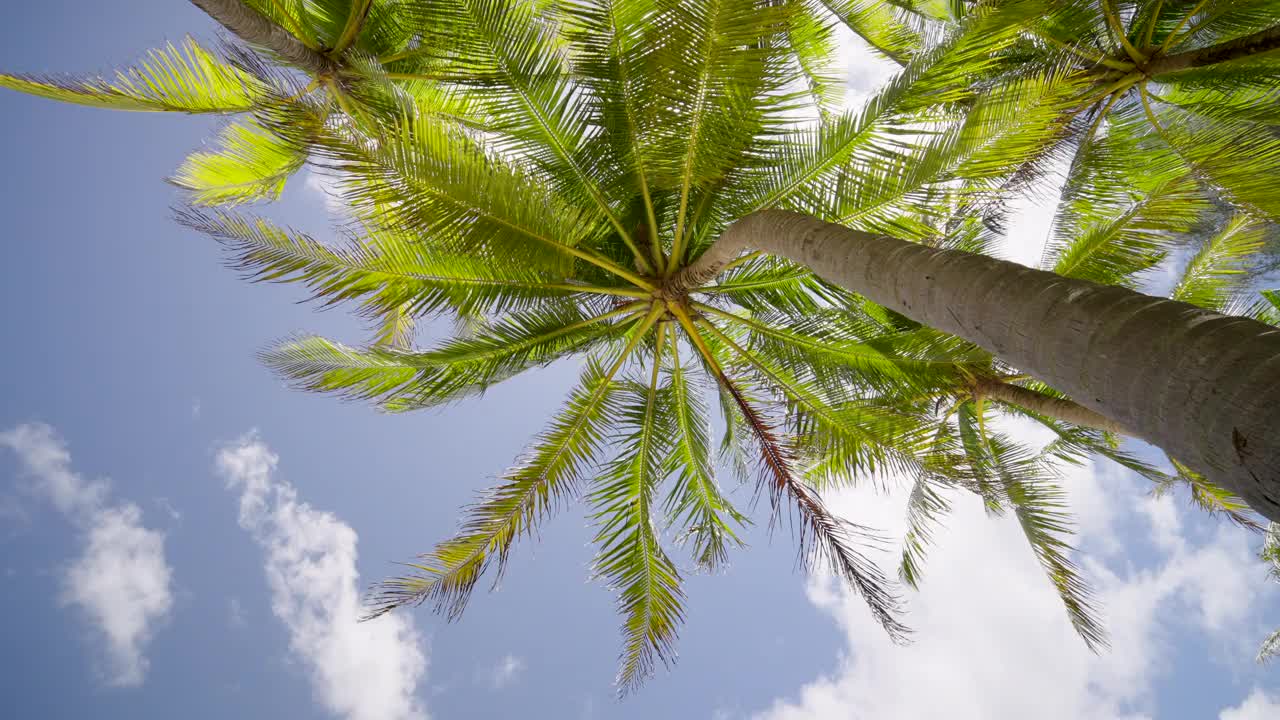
886,149
547,475
186,78
721,58
824,538
515,63
813,42
400,381
434,181
842,438
250,164
1219,269
767,283
925,506
1039,504
385,271
697,508
1041,511
609,43
396,328
1266,308
630,556
856,356
878,25
1125,205
1215,500
1238,157
1270,647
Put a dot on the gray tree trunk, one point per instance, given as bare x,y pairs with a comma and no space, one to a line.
254,28
1056,408
1204,387
1260,42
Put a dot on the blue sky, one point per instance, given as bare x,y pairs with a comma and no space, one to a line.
181,534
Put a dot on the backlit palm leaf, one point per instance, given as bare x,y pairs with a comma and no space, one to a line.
401,381
701,514
249,164
186,78
1218,271
630,556
547,475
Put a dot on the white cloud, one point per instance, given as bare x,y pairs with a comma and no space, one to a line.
506,671
865,72
1258,706
47,462
326,185
359,671
121,581
1031,217
992,640
1166,526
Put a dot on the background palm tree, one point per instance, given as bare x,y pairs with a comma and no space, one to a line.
336,44
554,178
1140,185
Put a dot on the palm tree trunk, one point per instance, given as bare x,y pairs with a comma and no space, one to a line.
1204,387
252,27
1260,42
1053,407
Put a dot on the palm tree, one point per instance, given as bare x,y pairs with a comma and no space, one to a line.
336,44
1203,69
582,179
553,233
1197,74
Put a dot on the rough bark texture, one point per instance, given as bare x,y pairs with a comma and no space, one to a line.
1204,387
1255,44
252,27
1056,408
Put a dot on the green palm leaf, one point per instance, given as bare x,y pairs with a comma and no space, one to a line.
400,381
1271,554
548,473
630,556
1125,205
515,64
1236,156
1219,269
1265,309
878,24
1021,480
824,538
765,283
925,506
384,272
440,184
718,55
695,504
186,78
846,438
250,164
